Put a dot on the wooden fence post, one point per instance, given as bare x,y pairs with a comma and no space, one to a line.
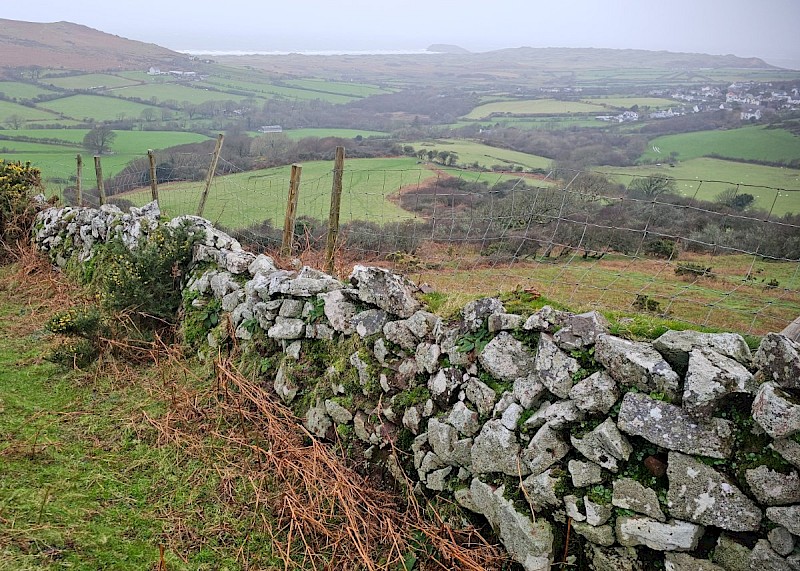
101,191
291,210
79,181
211,170
336,203
153,181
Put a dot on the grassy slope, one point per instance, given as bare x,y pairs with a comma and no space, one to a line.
534,107
7,109
96,107
470,152
88,81
18,90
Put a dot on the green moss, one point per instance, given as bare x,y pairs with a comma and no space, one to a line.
411,397
521,302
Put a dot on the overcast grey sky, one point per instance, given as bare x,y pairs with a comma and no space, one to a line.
768,29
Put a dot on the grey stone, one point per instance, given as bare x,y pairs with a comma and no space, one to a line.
464,419
291,308
530,543
309,282
261,264
511,415
506,400
283,385
781,541
293,350
427,356
788,517
412,419
238,262
338,311
538,418
386,290
599,535
584,473
546,319
596,514
776,412
398,333
596,393
338,413
444,385
675,346
613,558
437,480
580,331
789,449
545,448
560,414
528,390
553,367
700,494
362,369
673,535
319,331
631,495
478,311
481,395
636,364
422,324
773,488
504,322
673,428
540,490
571,507
430,462
778,359
369,322
604,445
222,284
496,450
506,359
317,420
763,558
464,498
730,554
710,377
685,562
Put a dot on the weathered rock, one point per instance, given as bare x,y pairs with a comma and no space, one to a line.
778,359
496,450
529,543
398,333
604,445
412,419
584,473
338,311
261,264
776,412
631,495
427,356
283,385
553,367
673,535
613,558
781,541
789,449
538,418
511,415
317,420
481,395
545,448
369,322
600,535
560,414
422,324
596,514
478,311
763,558
540,490
572,510
444,385
504,322
596,393
730,554
463,419
711,377
636,364
788,517
506,359
700,494
291,308
581,330
685,562
386,290
675,346
338,413
673,428
437,480
773,488
528,391
238,262
546,319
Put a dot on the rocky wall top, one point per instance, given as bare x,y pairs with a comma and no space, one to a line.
682,452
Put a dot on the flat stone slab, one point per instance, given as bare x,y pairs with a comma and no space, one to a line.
631,495
635,364
671,427
675,346
673,535
554,367
507,359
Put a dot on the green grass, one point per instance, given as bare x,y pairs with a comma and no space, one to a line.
628,102
749,143
8,109
22,91
533,107
95,107
340,88
470,152
88,81
297,134
162,92
239,200
270,91
757,178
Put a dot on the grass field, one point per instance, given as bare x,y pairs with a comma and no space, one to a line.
470,152
533,107
749,143
8,110
297,134
22,91
628,102
340,88
269,91
176,92
239,200
753,178
96,107
88,81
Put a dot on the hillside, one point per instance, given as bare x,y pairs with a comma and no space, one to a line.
72,46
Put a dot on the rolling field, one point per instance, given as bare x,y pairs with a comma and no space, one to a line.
96,107
755,177
749,143
533,107
239,200
297,134
470,152
22,91
269,91
88,81
628,102
8,109
176,92
341,88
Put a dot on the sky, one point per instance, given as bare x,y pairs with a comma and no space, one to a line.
767,29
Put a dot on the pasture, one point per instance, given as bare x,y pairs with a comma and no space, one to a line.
270,91
485,156
748,143
88,81
161,92
697,178
242,199
22,91
9,110
621,102
95,107
297,134
340,88
532,107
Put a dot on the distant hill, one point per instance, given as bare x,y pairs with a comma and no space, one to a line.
72,46
447,49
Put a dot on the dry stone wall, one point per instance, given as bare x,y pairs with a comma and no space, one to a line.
682,453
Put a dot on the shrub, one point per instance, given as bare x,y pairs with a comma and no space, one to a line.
17,183
662,248
644,303
693,271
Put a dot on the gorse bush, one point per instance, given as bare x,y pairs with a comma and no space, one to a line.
18,182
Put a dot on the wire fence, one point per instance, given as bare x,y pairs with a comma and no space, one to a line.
713,253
